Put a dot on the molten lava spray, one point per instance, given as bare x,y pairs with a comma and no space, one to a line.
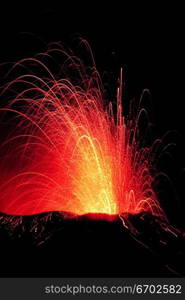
66,150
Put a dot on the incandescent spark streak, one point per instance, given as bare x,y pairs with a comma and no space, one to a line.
66,150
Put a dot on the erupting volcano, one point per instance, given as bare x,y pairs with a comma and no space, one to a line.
67,149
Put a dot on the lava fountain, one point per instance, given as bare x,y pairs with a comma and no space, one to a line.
65,149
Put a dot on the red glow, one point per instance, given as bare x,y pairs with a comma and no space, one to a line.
68,152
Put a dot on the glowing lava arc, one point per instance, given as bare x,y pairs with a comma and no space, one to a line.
66,151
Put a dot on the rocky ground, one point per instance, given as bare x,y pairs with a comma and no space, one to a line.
62,245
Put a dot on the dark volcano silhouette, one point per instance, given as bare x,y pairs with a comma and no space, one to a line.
62,245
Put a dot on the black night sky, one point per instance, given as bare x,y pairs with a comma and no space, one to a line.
148,43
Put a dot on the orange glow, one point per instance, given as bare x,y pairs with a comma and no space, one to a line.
68,152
